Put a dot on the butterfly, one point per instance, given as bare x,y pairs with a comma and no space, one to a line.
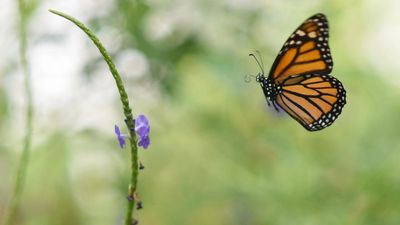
299,80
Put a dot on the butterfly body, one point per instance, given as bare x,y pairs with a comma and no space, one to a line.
270,89
299,80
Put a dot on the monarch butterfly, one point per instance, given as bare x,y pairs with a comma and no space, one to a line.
299,80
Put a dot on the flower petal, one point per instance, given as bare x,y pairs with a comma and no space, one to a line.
117,131
141,120
144,142
121,141
120,137
142,130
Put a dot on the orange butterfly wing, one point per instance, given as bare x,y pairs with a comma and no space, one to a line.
305,52
299,80
315,101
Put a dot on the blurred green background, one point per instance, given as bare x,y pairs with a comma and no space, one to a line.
218,154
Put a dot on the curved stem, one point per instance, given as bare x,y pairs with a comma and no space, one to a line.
127,111
24,160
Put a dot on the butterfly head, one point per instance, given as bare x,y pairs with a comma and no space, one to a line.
269,87
260,78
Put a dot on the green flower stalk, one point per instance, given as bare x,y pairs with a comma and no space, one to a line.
24,160
127,111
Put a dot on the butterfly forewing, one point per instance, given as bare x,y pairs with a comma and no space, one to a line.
305,52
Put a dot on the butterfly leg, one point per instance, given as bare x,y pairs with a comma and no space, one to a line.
275,106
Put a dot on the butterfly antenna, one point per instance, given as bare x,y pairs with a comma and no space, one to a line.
261,60
258,62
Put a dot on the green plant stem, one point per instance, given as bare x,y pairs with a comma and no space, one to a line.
24,160
126,108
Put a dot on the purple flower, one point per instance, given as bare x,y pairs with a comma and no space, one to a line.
144,142
120,137
142,129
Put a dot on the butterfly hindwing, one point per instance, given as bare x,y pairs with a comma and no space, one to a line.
314,100
305,52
